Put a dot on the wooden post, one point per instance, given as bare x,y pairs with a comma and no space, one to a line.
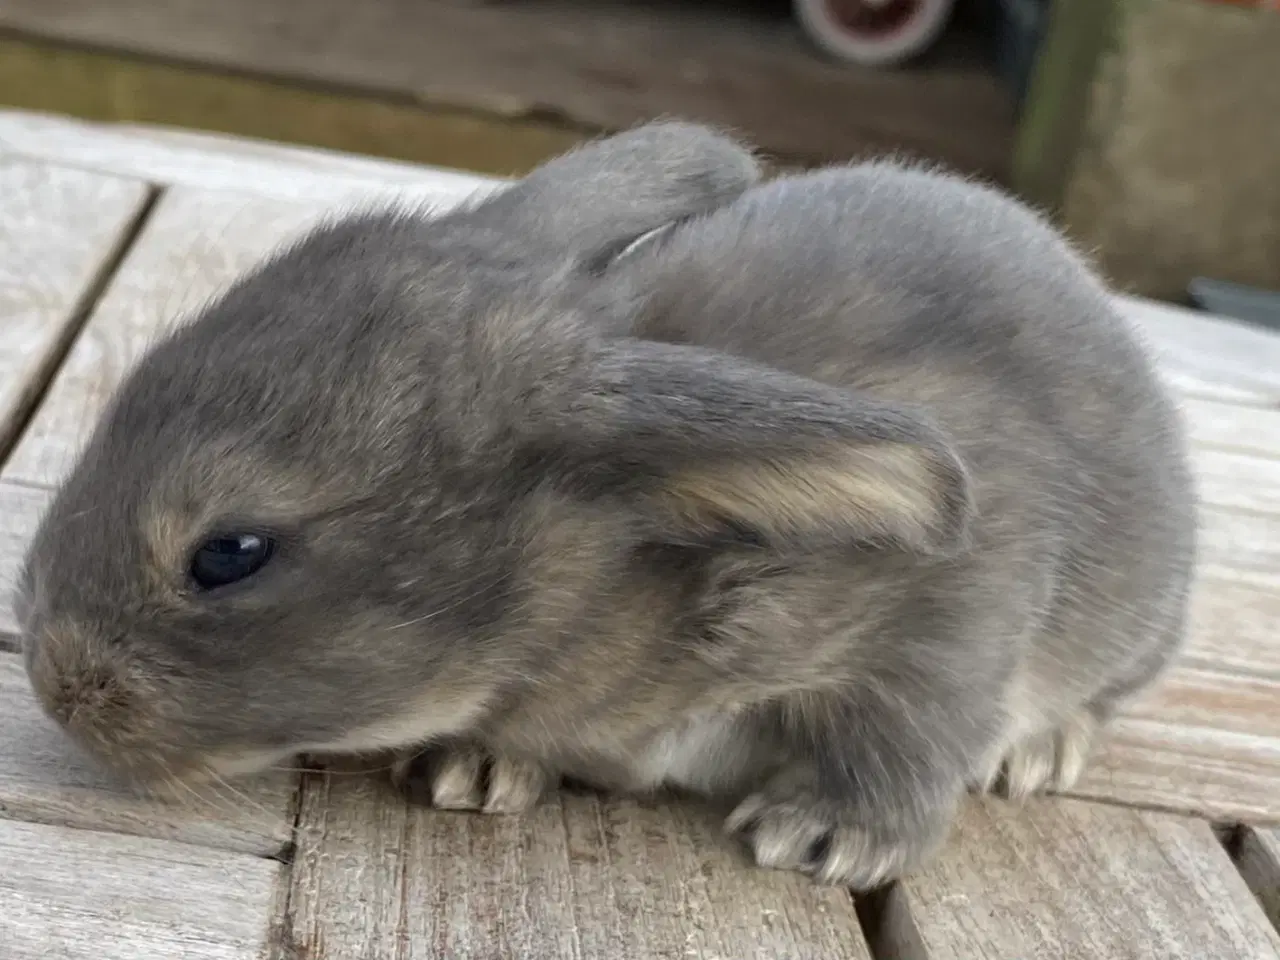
1152,130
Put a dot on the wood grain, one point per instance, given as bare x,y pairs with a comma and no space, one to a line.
1206,356
1218,425
1259,861
79,895
608,64
1234,627
44,778
1237,480
575,878
1239,545
213,162
1063,879
59,229
1202,742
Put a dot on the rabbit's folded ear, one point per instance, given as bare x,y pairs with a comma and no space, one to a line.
595,199
714,447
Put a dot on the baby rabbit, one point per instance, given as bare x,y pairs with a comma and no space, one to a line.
844,494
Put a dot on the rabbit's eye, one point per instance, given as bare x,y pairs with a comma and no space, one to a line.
227,558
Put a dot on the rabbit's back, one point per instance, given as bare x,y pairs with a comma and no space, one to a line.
914,285
926,289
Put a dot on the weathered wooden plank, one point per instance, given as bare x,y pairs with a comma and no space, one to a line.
1207,356
193,245
1208,697
608,64
1237,480
1234,626
1219,425
1239,545
1067,879
575,878
1259,861
59,230
673,861
1201,742
80,895
1150,192
44,779
214,162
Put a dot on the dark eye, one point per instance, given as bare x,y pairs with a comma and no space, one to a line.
225,559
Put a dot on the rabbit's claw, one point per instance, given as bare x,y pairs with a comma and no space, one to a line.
1045,761
466,777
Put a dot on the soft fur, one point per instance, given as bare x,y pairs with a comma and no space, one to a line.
841,495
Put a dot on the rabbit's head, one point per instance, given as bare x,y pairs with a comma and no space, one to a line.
354,500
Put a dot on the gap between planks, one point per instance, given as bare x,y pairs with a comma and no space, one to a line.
1062,878
33,389
80,315
893,932
58,269
1257,855
585,877
90,895
577,877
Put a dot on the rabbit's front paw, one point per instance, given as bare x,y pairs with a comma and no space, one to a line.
466,777
828,840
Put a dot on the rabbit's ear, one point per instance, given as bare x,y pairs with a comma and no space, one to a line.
713,447
594,200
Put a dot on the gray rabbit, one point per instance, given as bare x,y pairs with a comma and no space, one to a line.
843,494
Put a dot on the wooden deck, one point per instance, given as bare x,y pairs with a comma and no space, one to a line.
1169,849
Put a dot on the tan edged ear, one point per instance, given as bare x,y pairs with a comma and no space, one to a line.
875,492
727,448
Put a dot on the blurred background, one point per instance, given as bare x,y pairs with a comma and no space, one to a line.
1149,128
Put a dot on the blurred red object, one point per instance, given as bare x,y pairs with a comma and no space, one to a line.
877,33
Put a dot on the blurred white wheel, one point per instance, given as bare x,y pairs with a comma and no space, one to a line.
873,32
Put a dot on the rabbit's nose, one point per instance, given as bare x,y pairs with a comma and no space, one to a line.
72,683
87,690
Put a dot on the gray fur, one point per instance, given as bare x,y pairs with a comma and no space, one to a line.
842,495
601,196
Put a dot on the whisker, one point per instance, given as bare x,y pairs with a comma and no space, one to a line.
362,772
175,783
209,800
239,794
452,605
